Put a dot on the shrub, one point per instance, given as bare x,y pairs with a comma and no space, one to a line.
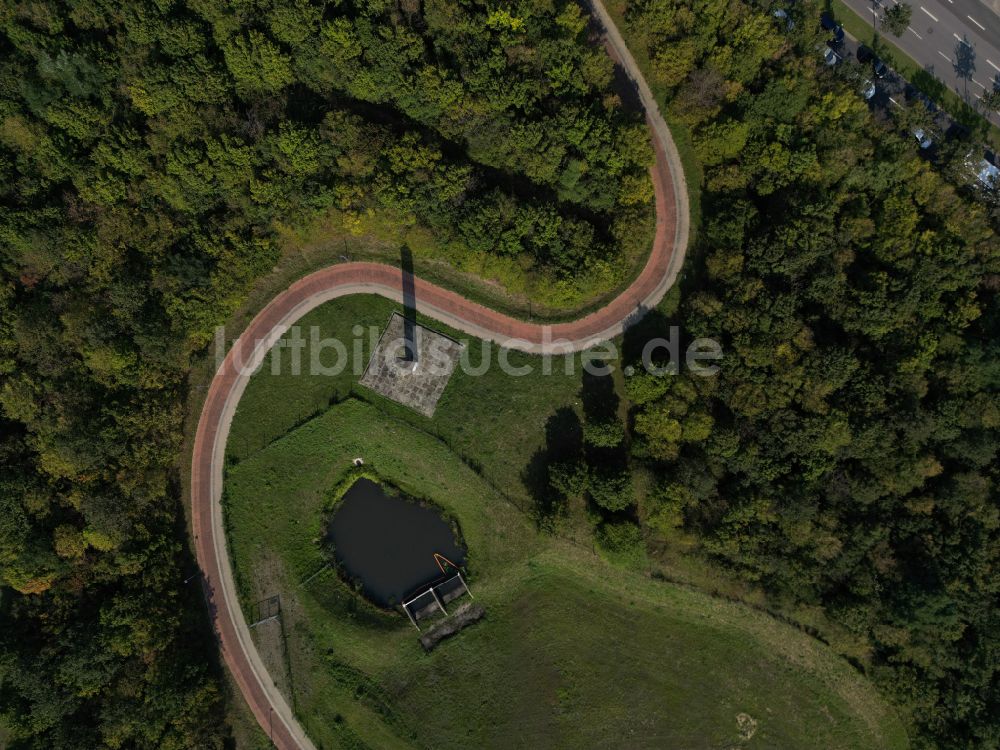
611,487
622,542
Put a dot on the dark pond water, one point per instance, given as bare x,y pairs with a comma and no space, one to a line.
388,542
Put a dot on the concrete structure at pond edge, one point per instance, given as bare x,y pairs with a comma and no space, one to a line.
418,380
420,606
464,616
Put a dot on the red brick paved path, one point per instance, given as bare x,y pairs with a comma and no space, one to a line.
266,702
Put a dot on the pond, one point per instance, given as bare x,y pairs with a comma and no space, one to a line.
387,542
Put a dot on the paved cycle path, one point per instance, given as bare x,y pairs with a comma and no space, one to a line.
660,272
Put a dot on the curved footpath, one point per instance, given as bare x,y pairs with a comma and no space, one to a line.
669,246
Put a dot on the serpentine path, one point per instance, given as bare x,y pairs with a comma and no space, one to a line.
265,700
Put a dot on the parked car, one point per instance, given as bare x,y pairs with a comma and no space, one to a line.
922,138
867,89
830,55
984,171
989,174
829,24
782,15
911,92
867,55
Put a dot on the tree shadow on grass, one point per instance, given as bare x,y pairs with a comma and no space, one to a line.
600,401
925,80
563,442
655,325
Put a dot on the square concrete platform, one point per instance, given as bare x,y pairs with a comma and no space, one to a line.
416,382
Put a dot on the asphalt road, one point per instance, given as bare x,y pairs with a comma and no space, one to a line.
957,41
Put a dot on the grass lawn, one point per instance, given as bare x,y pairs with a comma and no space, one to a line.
494,421
573,652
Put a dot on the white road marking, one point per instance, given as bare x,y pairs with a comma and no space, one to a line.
944,55
894,101
978,83
993,66
914,33
929,13
960,39
976,22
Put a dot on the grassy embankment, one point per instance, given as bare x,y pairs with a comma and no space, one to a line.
573,651
498,434
514,286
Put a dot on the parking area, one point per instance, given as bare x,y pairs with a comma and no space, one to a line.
885,89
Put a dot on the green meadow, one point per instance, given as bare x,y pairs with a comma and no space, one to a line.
573,652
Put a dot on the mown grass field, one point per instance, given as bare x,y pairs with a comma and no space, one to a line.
498,434
572,653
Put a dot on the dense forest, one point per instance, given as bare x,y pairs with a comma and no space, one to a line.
846,455
147,150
